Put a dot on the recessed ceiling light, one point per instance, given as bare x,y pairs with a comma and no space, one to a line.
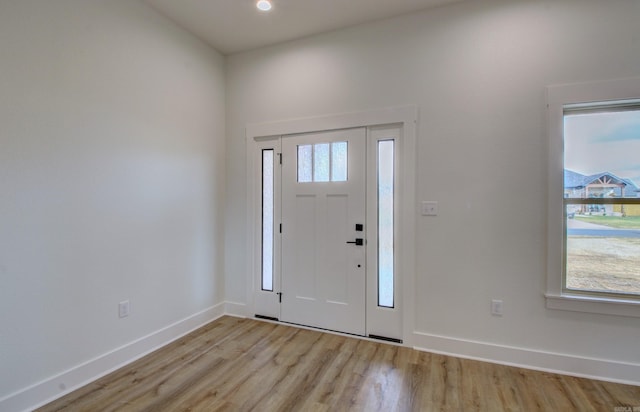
264,5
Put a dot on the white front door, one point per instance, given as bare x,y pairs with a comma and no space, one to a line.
323,216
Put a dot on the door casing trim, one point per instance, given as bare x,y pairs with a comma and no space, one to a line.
407,117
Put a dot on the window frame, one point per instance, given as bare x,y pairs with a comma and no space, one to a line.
384,320
262,298
558,98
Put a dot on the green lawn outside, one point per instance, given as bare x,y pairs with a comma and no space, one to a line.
630,222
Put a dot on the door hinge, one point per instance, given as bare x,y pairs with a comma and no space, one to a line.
280,156
280,227
279,297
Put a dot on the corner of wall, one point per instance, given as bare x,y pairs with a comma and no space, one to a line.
59,385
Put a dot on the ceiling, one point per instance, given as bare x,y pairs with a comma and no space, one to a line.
233,26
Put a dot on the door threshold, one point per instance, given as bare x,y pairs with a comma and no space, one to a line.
386,339
370,338
266,317
337,332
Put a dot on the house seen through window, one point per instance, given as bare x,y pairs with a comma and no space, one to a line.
602,199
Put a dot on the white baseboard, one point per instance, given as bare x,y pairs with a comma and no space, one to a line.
52,388
564,364
236,309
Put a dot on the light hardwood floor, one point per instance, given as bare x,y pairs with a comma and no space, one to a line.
243,364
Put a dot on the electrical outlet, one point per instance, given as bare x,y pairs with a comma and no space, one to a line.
124,308
496,307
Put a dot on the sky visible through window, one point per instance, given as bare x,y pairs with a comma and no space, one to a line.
603,142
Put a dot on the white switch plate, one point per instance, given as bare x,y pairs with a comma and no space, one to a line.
429,208
496,307
124,309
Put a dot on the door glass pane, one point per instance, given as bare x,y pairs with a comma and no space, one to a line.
339,162
304,163
267,219
321,162
385,223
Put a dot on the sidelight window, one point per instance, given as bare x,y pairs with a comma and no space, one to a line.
267,218
385,223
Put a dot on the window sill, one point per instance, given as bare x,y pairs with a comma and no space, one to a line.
591,304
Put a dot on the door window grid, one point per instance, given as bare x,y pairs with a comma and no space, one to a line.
386,223
267,218
339,161
322,162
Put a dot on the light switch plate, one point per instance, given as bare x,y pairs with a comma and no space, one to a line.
124,309
496,307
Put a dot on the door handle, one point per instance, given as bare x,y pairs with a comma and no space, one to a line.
358,242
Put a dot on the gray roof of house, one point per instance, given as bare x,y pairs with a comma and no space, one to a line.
574,180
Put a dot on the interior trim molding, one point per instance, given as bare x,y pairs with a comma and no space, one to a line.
559,363
236,309
400,114
52,388
407,117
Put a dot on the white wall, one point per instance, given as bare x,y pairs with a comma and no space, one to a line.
113,174
477,71
112,179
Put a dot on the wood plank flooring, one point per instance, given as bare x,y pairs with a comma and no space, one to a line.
242,365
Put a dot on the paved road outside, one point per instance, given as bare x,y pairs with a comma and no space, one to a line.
579,228
579,224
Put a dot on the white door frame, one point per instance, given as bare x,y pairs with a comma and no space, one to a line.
406,117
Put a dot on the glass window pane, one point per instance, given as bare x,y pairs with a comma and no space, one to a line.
304,163
267,219
385,223
603,249
601,162
339,162
321,162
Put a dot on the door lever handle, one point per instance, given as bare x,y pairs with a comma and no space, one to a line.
358,242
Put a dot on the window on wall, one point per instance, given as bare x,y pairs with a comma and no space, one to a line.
594,197
322,162
267,218
602,198
386,189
